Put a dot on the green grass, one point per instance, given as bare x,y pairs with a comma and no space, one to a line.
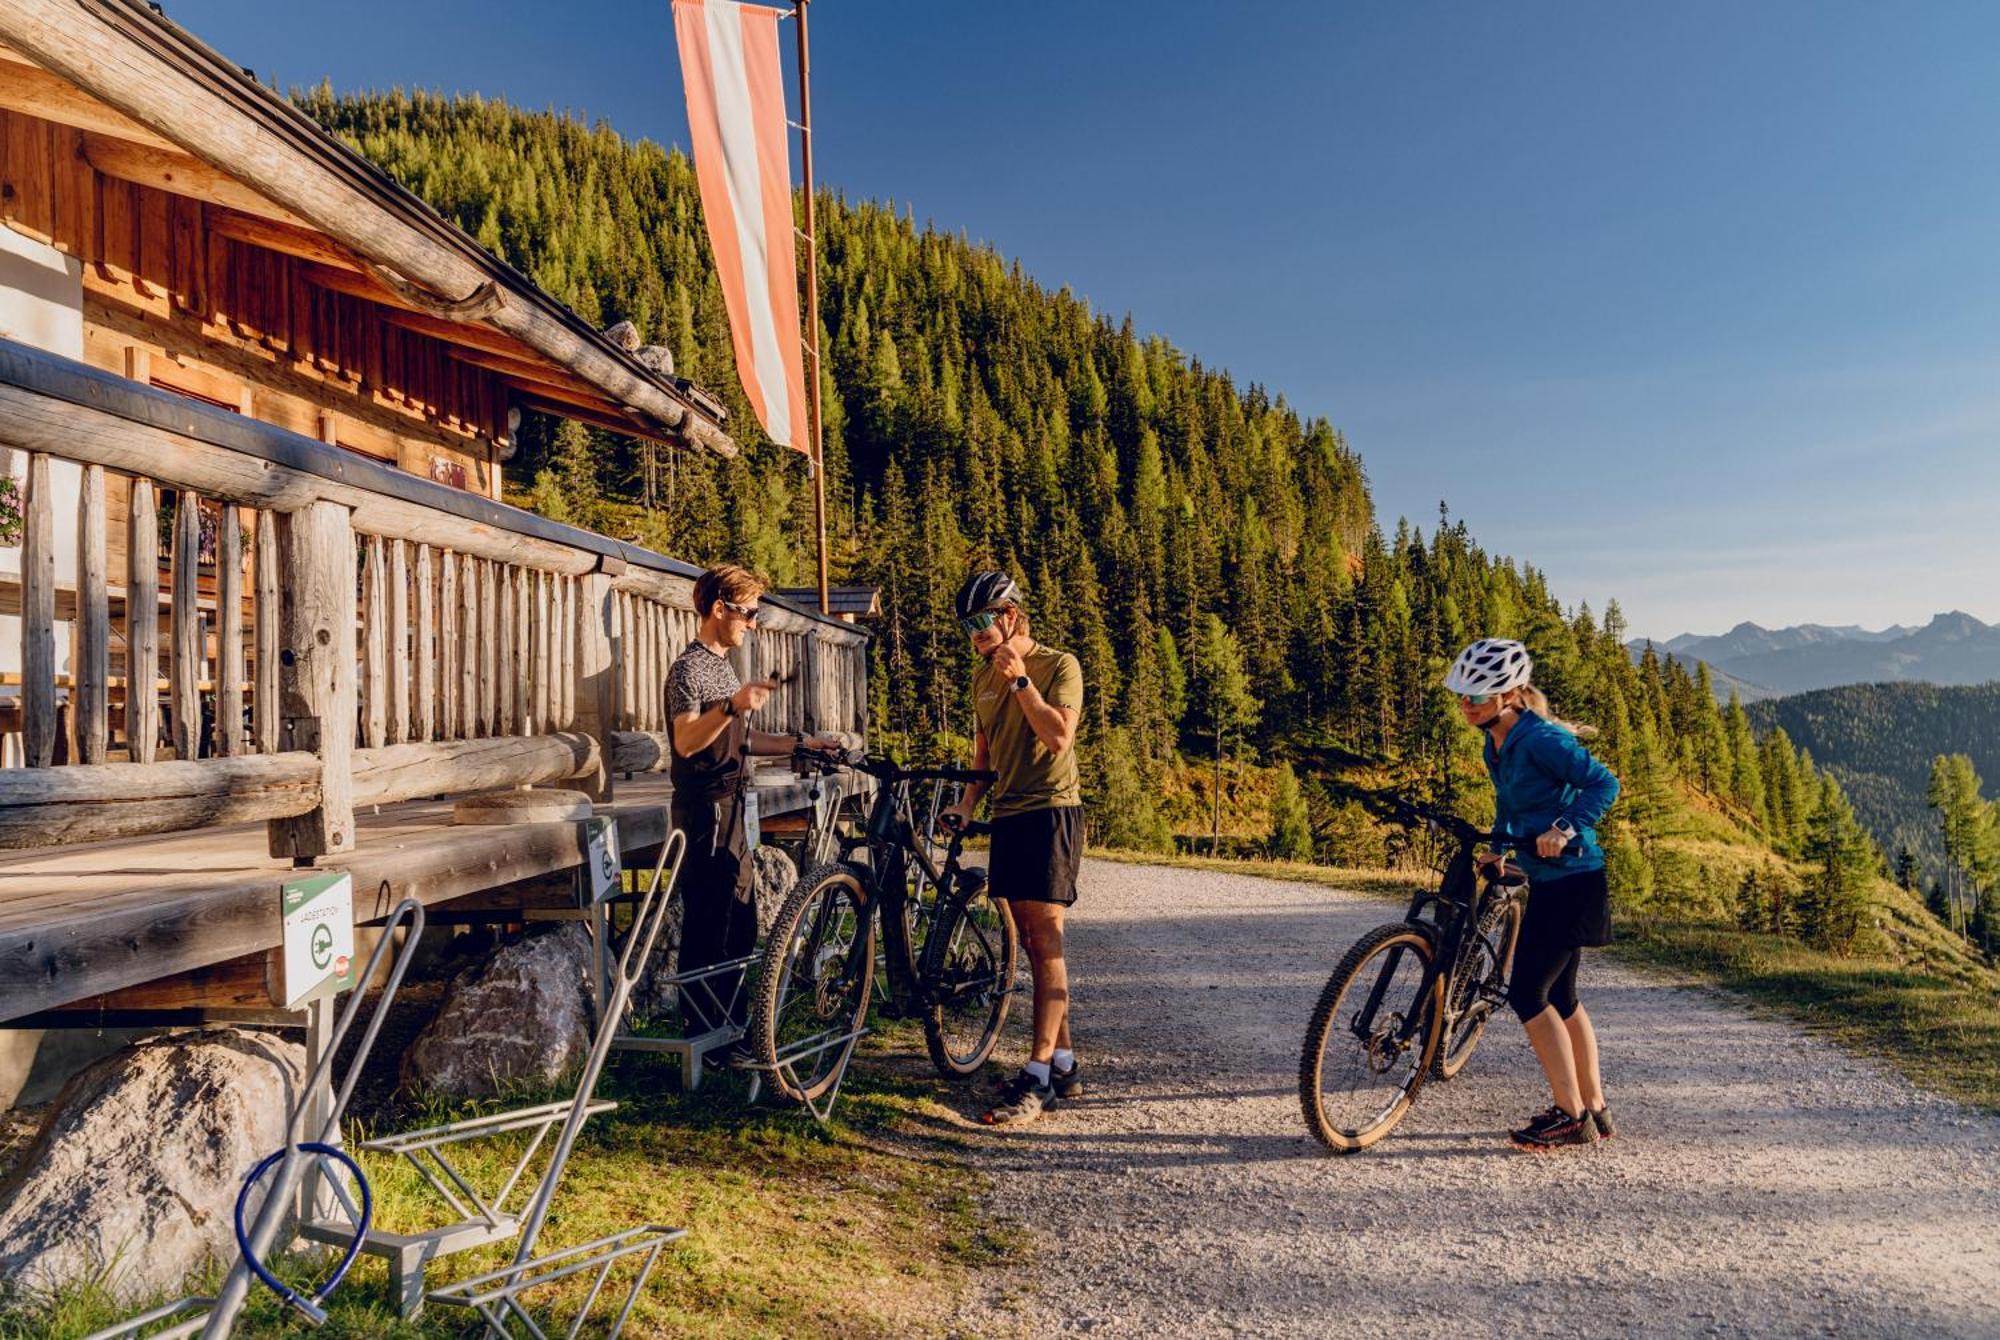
1394,883
866,1227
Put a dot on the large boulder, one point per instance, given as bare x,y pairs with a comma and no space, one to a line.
133,1178
523,1017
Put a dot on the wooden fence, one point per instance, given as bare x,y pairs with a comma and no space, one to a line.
383,637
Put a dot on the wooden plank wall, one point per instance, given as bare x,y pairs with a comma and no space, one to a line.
161,275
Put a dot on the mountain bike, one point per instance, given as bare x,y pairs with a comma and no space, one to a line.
950,949
1411,999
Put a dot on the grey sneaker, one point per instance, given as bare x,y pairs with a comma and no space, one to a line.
1023,1100
1067,1083
1602,1118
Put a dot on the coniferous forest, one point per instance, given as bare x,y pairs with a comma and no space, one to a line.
1211,555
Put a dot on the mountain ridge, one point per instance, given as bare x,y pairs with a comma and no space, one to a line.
1953,649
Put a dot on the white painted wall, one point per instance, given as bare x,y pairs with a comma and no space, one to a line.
41,304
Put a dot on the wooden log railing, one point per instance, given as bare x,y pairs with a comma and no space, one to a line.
378,638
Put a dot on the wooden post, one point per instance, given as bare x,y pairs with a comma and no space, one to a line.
316,674
375,644
467,720
538,657
447,725
596,678
815,694
93,643
399,642
229,633
489,648
185,649
517,670
504,635
426,649
38,617
566,625
264,709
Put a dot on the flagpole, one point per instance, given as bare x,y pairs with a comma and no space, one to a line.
811,334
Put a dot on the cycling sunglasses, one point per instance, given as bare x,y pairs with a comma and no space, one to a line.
980,622
1475,699
745,611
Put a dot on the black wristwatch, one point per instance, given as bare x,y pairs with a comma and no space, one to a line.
729,707
1021,682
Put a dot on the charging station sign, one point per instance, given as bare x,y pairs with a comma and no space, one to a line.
319,937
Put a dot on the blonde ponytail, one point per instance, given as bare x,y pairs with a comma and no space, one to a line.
1526,697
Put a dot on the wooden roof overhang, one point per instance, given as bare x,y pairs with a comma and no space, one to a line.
159,108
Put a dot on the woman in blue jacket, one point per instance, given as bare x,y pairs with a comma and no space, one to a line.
1549,794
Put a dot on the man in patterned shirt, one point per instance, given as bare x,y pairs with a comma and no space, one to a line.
708,710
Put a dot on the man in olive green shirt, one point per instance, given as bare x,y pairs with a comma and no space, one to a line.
1027,698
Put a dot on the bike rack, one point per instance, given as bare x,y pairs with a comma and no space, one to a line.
485,1219
218,1315
819,1043
693,1050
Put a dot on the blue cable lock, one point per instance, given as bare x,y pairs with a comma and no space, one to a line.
309,1307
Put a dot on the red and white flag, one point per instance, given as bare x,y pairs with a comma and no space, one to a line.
736,113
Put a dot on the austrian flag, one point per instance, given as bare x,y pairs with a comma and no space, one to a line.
736,114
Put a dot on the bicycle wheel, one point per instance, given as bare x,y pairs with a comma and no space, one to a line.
968,980
813,980
1358,1074
1481,977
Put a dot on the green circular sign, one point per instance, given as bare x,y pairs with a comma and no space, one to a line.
322,945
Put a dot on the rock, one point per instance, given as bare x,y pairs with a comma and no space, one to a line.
523,1017
655,356
774,877
134,1175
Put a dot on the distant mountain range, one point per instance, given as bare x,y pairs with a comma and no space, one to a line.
1759,663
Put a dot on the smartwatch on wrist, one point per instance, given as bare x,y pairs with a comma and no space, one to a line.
729,707
1020,682
1566,828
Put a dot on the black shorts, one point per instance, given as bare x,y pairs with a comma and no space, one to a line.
1035,856
1573,912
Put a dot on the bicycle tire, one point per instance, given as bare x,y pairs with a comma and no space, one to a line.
1416,939
1452,1056
951,963
836,1005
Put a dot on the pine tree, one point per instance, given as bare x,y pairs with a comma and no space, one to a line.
1291,825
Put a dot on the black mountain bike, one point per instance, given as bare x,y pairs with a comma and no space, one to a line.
1412,997
951,949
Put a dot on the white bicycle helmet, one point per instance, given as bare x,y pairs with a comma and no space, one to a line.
1490,665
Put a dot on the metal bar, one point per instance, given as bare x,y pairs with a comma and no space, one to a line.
812,301
456,1204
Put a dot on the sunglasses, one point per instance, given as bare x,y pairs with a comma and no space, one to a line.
980,622
1475,699
743,611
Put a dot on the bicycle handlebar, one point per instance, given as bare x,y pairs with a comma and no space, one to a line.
885,769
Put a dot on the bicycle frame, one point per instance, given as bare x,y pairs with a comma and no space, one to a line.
1454,906
890,842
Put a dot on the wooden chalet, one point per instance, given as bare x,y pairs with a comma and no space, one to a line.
264,608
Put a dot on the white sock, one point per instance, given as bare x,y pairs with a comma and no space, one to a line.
1065,1059
1039,1070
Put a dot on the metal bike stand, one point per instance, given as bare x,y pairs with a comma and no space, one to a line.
787,1062
693,1050
495,1295
316,1107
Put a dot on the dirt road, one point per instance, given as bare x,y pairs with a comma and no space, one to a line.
1763,1183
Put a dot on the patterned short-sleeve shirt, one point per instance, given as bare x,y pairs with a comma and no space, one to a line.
698,677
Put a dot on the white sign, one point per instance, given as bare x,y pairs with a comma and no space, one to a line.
753,826
601,864
319,937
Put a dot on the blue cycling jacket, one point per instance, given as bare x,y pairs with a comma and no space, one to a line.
1542,774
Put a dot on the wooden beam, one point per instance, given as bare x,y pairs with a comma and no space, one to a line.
46,807
287,239
408,771
178,174
36,92
541,378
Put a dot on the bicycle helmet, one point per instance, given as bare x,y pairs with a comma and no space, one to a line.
1490,665
985,590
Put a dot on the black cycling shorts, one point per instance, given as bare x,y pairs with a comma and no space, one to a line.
1035,856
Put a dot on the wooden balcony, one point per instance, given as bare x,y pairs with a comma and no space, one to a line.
316,695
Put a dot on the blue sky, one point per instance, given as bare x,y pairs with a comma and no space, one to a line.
1693,305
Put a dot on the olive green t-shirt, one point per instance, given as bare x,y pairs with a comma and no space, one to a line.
1031,778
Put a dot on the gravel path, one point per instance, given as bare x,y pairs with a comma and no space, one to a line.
1764,1183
